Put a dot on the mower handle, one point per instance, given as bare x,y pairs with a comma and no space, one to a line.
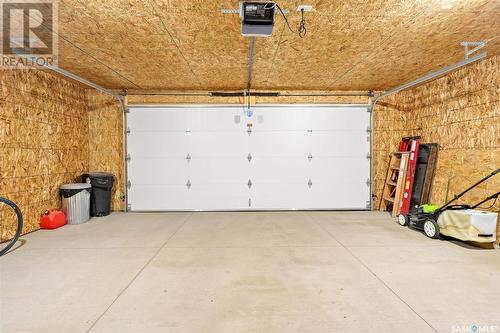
491,197
467,190
457,207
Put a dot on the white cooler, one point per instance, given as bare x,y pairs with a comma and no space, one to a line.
469,225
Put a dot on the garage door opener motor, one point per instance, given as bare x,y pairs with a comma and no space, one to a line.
257,18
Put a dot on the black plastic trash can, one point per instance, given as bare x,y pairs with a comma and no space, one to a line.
102,186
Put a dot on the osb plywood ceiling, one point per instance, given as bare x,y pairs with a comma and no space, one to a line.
191,45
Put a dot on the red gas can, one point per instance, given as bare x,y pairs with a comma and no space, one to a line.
53,219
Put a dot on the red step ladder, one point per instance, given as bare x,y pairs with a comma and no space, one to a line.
409,144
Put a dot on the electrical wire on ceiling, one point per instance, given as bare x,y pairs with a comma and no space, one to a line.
302,25
301,30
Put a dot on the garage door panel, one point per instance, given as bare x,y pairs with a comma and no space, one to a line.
339,144
215,118
303,118
339,195
279,143
157,144
227,143
279,119
156,119
333,169
279,169
151,171
219,196
342,119
195,118
157,197
218,170
279,195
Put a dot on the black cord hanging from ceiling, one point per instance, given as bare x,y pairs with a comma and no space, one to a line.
302,30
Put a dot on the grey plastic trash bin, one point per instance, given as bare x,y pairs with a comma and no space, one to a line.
76,202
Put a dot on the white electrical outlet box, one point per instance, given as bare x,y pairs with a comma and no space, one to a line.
306,8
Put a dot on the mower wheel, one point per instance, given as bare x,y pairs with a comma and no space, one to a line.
403,219
431,229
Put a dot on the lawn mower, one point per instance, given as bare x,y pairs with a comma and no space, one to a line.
426,217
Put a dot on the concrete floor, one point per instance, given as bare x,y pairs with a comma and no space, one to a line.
246,272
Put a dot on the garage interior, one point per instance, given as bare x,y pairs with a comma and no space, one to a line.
250,172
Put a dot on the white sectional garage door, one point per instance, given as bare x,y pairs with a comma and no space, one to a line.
219,158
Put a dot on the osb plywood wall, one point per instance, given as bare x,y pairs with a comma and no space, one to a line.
461,112
45,127
106,141
192,45
43,139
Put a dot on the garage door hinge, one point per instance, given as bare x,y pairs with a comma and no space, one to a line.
129,207
249,157
249,183
249,130
310,183
129,184
368,156
368,204
188,158
369,109
249,202
126,110
127,131
128,158
368,129
188,184
368,182
310,157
